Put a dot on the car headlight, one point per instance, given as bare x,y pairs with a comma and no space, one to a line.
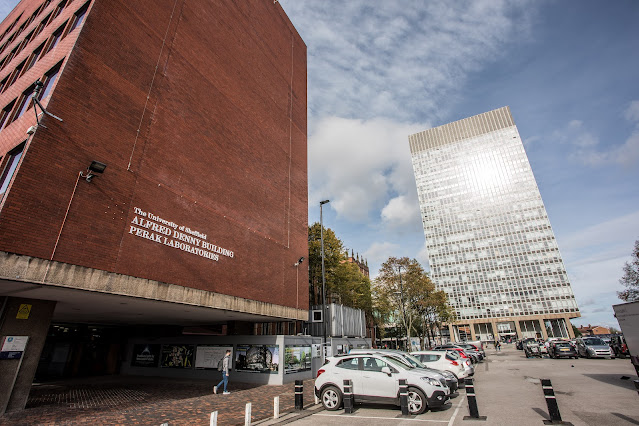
448,375
431,381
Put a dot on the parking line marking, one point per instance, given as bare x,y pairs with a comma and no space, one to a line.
452,419
402,419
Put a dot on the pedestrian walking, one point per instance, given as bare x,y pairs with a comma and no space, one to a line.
224,365
498,346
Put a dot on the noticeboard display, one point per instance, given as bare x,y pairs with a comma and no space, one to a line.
177,356
257,358
297,358
145,355
208,356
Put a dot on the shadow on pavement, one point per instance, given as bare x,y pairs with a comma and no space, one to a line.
541,412
615,379
626,418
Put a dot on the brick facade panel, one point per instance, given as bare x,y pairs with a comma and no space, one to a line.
212,154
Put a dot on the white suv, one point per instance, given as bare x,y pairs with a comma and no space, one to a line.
375,379
446,361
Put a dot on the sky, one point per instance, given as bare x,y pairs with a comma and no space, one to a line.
379,71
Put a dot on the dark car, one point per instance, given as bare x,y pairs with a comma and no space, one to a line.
562,349
619,346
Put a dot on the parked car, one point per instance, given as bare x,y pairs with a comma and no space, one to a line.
376,378
454,347
562,349
593,347
532,348
619,346
445,361
471,350
444,376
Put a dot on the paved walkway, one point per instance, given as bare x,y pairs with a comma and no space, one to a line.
150,400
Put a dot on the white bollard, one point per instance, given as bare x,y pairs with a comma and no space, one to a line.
247,415
317,401
214,418
276,407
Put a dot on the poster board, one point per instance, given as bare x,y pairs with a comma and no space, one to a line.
257,358
297,358
177,356
145,355
209,356
13,347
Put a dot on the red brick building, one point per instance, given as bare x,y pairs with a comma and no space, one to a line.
198,110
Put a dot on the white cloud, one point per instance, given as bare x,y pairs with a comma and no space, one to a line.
378,253
632,112
594,258
401,211
586,144
399,59
360,164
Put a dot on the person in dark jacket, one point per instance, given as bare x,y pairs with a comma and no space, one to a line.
226,366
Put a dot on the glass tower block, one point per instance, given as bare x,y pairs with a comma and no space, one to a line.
489,241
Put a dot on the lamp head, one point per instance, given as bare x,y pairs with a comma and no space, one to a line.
324,202
95,168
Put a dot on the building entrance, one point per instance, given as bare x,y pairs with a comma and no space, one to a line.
81,350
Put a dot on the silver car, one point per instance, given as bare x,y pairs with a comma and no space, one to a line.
593,347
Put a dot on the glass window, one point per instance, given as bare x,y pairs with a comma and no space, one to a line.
10,168
55,38
4,116
349,364
34,57
25,102
78,18
50,78
373,364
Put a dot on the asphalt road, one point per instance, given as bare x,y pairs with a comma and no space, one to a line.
507,385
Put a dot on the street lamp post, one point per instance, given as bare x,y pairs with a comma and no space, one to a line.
401,300
323,273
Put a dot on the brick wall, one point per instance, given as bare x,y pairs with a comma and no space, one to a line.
198,108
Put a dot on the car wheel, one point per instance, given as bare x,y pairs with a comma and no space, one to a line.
331,398
416,401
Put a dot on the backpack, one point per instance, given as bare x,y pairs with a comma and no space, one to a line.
220,365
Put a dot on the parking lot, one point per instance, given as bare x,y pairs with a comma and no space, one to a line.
508,389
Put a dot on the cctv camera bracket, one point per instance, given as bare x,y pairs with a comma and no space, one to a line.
36,102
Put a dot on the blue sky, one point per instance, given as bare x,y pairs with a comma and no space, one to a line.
381,70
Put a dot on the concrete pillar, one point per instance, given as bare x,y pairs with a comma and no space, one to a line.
571,332
472,332
544,333
451,330
493,324
518,329
22,317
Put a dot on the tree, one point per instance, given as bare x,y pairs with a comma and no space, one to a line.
333,254
630,277
403,290
576,330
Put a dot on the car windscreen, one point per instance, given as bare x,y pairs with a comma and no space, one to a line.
593,341
563,345
405,365
413,360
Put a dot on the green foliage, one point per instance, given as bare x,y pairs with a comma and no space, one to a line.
576,331
333,254
411,297
630,278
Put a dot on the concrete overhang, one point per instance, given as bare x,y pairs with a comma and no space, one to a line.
86,295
